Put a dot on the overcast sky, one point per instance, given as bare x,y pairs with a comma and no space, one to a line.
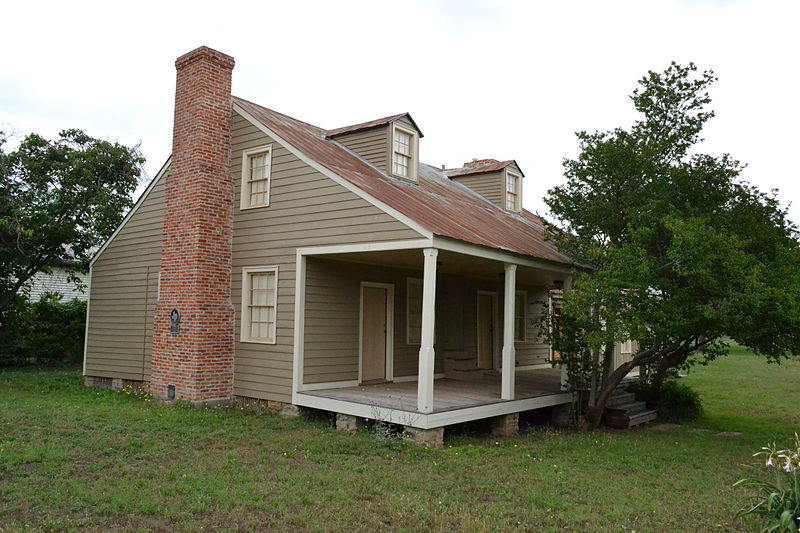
482,79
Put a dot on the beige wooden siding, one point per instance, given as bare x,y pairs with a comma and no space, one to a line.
332,320
490,185
533,351
372,145
124,287
306,209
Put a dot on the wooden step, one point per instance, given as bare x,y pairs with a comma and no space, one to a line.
628,415
620,399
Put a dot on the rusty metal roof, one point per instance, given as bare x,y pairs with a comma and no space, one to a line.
479,166
372,124
442,206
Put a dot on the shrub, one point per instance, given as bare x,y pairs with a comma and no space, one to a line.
46,331
675,401
776,504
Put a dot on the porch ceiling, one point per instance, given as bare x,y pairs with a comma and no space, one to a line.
451,263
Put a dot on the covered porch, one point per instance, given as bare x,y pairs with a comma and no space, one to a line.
423,333
454,400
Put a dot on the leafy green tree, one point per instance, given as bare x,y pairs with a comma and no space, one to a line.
683,253
58,201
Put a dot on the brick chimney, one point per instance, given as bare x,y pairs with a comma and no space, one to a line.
192,358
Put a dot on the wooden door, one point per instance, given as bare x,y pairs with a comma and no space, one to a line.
373,333
486,327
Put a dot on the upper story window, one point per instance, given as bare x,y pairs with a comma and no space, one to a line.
256,176
513,186
404,153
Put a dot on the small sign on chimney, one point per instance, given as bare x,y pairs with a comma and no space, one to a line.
175,321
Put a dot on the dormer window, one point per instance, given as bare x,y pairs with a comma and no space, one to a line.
404,153
513,184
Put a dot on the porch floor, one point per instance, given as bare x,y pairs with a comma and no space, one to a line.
448,394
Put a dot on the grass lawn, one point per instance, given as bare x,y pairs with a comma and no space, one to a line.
73,458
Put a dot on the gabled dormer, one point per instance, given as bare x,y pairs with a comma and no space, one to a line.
390,143
500,182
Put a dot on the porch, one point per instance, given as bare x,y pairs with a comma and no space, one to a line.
454,400
423,336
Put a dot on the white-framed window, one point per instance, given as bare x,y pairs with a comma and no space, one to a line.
626,347
513,190
413,311
256,176
259,304
404,152
520,316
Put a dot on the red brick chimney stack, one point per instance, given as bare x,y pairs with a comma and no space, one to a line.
193,358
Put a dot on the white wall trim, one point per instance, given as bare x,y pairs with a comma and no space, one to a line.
461,247
299,324
86,327
133,210
365,247
389,356
338,179
330,385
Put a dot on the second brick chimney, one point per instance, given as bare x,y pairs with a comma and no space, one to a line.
192,357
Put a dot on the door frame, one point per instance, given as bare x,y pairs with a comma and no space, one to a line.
389,327
496,338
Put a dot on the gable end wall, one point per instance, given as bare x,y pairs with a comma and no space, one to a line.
306,209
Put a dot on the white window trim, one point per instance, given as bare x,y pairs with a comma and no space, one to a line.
626,347
518,203
414,164
245,322
244,189
409,282
524,295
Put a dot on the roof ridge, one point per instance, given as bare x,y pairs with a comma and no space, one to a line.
321,130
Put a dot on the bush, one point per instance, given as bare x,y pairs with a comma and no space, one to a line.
675,401
46,331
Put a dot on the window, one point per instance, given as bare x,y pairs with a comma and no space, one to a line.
259,304
626,347
413,311
256,175
520,316
404,153
513,182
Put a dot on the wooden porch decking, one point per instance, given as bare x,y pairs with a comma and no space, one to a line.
448,394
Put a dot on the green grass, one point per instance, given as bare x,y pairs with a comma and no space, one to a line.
73,459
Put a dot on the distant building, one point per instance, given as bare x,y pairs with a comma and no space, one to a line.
58,282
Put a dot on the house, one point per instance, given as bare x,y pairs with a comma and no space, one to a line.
58,281
275,263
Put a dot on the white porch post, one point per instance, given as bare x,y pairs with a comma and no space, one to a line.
426,353
509,354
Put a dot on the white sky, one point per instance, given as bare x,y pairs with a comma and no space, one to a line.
482,79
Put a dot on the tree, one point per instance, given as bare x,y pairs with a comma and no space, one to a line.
682,251
58,201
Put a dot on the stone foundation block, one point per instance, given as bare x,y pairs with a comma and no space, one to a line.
290,411
349,423
505,426
431,438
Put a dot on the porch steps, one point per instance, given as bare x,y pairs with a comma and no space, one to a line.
624,411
